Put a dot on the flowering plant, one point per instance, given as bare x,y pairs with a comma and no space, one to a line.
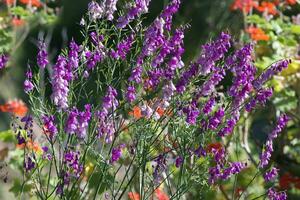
153,127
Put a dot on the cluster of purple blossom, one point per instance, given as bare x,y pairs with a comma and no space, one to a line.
136,10
106,125
78,122
3,61
105,9
220,171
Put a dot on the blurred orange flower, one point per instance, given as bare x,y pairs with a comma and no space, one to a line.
267,7
16,107
133,196
31,146
243,5
160,195
35,3
257,34
136,112
17,22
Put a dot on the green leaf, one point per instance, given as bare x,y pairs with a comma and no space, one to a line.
295,29
18,187
7,136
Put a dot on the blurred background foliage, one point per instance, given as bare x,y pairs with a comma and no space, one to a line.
207,18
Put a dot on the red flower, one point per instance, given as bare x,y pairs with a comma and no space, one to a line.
133,196
17,22
291,2
267,7
216,146
257,34
287,181
16,107
244,5
35,3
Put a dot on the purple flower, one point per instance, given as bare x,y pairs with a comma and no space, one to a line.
131,94
78,122
122,48
271,71
28,86
42,57
267,152
216,119
200,151
116,153
178,161
105,123
230,124
28,124
192,113
261,98
3,61
29,164
273,195
95,10
207,108
211,53
73,54
110,8
159,166
271,175
140,7
60,83
49,125
72,122
71,160
241,65
83,121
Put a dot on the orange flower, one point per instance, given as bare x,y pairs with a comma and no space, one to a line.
31,146
267,7
136,113
133,196
17,22
35,3
243,5
257,34
160,111
16,107
160,195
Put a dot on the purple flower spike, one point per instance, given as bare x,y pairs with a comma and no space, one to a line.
271,175
3,61
42,57
267,152
60,83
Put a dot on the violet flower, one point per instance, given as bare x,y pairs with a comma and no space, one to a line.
42,56
3,61
267,152
60,83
